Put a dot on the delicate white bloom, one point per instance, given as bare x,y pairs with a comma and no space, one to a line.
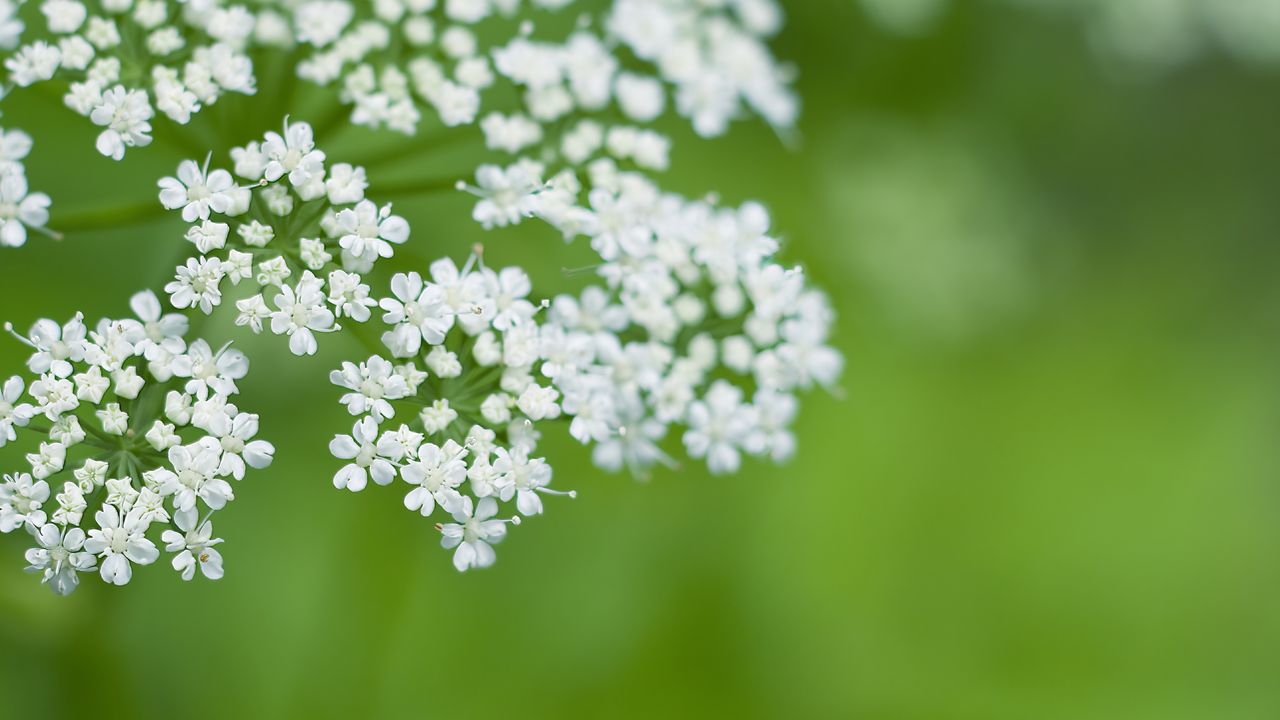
59,557
474,532
119,541
19,210
197,191
300,314
126,115
437,472
194,547
21,500
370,456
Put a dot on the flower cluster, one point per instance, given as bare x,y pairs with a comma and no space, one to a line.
126,60
134,436
300,232
694,314
19,208
393,58
465,354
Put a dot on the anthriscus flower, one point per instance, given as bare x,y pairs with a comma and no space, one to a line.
133,438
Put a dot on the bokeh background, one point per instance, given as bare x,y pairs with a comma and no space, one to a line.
1047,486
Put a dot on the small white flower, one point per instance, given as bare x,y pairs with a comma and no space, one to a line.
119,541
473,533
21,499
194,547
197,192
293,153
126,115
19,210
369,456
374,384
301,314
437,471
60,557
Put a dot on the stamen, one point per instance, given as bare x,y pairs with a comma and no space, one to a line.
51,234
8,327
579,270
571,494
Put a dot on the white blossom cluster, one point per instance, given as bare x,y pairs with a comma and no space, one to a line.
134,439
697,326
465,354
126,60
20,209
393,58
694,334
300,232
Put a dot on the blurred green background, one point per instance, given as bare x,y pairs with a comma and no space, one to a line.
1047,487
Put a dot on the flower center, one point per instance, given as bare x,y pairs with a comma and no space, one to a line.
369,388
190,479
366,455
119,539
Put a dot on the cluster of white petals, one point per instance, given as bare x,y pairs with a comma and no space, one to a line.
394,59
298,231
124,61
464,389
696,326
693,334
133,441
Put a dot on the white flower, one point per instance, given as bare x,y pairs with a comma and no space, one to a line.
370,231
159,331
21,499
473,533
525,477
119,541
301,314
196,474
419,313
59,557
125,114
293,153
197,284
48,461
57,346
437,471
239,448
718,426
19,211
370,456
507,196
437,416
211,371
13,414
373,384
196,191
194,547
33,63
